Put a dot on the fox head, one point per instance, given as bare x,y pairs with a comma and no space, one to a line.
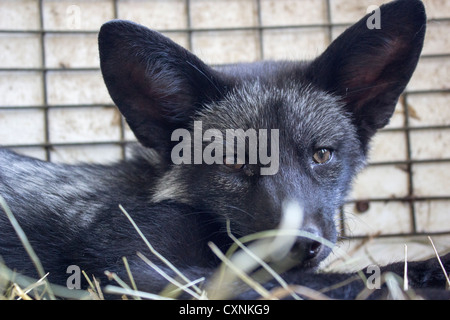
315,119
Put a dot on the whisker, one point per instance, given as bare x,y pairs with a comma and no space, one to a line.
251,215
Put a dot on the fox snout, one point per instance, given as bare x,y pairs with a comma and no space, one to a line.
303,214
307,251
310,242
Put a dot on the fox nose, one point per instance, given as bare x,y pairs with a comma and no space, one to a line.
305,249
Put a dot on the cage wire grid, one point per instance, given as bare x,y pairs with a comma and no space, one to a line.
359,203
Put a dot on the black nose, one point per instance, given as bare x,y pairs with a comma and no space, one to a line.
305,249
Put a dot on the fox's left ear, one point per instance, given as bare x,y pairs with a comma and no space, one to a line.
370,68
156,84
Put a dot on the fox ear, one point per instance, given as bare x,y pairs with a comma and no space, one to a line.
156,84
370,68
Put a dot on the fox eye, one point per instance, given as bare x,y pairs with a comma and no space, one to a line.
322,155
231,163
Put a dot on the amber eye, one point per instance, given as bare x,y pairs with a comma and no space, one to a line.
230,162
322,155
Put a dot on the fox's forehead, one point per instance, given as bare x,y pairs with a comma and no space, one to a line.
297,110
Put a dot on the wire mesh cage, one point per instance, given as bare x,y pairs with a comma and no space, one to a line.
54,105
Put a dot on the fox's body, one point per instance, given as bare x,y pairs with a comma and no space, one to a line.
324,111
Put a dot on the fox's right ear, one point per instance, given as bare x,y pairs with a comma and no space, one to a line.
369,68
156,84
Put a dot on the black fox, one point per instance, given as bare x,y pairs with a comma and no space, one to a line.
324,113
